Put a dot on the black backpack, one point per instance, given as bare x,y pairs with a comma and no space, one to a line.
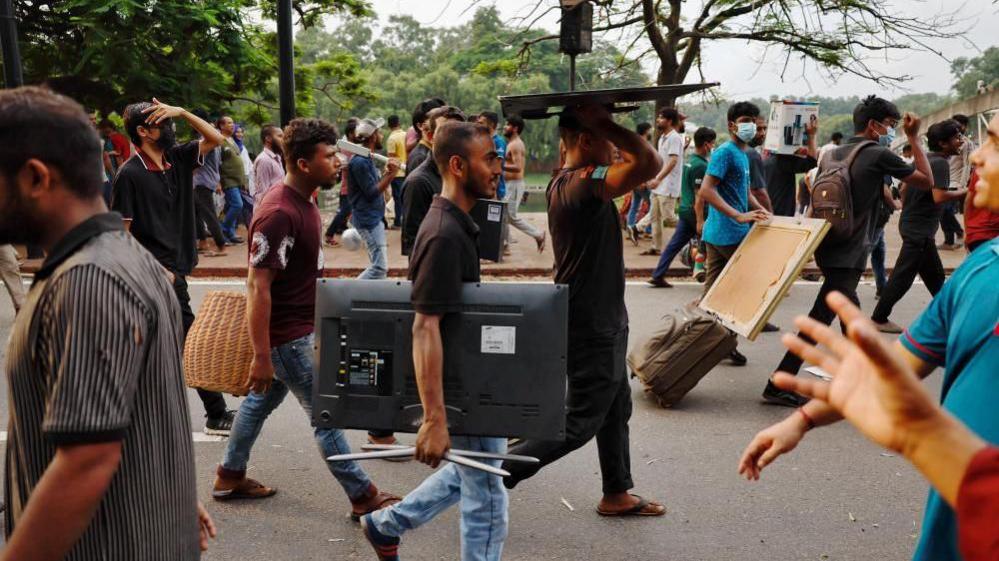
832,198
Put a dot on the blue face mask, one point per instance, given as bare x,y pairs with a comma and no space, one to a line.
887,138
745,131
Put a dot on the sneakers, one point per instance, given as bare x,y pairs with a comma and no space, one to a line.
386,547
888,327
220,426
700,275
770,328
777,396
737,358
659,283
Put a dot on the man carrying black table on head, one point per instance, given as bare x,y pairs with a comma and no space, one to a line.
586,238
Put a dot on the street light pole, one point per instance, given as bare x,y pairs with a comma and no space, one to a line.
8,43
286,61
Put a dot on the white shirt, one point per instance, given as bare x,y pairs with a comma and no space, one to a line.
825,149
248,170
671,145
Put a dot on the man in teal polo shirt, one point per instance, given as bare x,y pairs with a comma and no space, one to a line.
686,227
959,331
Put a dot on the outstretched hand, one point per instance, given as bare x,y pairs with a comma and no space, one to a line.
872,387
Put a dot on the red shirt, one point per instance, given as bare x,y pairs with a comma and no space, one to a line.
286,235
980,224
121,146
978,508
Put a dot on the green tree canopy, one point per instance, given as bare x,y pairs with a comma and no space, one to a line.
968,72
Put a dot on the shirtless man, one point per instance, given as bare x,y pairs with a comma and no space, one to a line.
513,170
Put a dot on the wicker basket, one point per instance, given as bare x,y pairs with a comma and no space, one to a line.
218,352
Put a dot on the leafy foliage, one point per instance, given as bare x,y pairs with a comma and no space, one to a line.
969,71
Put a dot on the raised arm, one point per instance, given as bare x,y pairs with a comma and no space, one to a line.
640,162
922,178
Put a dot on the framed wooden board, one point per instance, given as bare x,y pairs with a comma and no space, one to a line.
762,270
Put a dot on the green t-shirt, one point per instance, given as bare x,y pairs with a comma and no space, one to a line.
231,169
693,174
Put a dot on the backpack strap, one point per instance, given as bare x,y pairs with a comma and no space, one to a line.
856,150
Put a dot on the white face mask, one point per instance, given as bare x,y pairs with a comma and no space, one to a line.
745,131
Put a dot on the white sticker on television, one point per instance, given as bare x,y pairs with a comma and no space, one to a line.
499,339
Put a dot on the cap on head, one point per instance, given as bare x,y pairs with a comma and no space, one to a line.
368,127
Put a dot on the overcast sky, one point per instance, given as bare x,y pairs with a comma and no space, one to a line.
736,64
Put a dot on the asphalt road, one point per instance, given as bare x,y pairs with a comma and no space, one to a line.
836,497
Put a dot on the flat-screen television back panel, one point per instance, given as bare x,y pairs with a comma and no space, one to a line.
504,359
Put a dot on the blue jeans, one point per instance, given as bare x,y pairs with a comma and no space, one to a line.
482,497
374,239
681,237
233,210
397,200
292,371
637,196
878,260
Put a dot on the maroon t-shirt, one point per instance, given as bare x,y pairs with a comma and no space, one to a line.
285,235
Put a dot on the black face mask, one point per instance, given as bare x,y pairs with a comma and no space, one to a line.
168,136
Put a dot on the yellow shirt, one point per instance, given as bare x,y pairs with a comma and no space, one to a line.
395,147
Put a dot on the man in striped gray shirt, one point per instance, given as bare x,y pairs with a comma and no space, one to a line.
99,459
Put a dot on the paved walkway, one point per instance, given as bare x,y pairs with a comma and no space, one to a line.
524,261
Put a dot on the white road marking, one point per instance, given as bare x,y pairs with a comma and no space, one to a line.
219,282
195,436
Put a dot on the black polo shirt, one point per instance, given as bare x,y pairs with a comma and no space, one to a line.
445,255
418,192
160,203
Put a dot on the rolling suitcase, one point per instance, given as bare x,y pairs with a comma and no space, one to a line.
679,353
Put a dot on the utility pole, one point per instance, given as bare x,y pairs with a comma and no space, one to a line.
286,61
12,77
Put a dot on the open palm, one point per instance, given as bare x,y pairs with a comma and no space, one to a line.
872,386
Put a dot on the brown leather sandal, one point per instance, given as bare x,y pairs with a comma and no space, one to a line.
377,502
245,488
644,507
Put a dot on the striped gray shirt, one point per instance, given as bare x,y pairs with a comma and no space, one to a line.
95,356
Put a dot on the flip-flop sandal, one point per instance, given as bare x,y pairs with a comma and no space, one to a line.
643,508
247,489
210,253
378,502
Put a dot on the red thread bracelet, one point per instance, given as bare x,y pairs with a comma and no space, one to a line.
808,420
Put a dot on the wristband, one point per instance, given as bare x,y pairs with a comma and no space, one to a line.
809,422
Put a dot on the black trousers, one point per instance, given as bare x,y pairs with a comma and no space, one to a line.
204,209
598,404
918,256
949,223
833,279
213,401
339,222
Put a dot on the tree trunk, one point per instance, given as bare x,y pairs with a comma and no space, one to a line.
667,76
